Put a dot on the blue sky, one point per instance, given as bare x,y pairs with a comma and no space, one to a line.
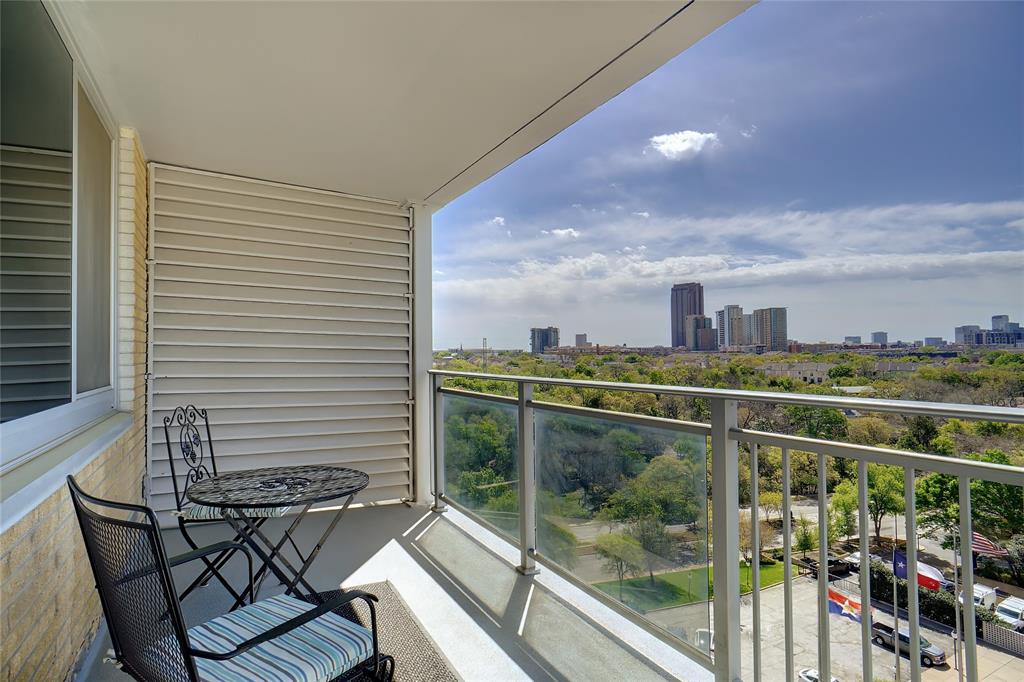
861,164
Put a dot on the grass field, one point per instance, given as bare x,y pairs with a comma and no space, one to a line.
680,587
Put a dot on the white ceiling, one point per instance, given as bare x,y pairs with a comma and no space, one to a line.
402,100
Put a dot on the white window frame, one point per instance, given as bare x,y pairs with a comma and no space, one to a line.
25,438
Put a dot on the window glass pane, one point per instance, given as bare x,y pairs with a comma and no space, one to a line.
93,243
624,508
35,229
481,438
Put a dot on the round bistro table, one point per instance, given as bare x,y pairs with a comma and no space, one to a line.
238,493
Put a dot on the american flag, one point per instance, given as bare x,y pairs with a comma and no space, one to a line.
982,545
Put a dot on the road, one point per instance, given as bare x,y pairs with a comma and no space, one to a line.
929,550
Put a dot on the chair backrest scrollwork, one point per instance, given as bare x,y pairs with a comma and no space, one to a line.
184,423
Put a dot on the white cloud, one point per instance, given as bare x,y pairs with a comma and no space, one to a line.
498,220
749,132
563,233
438,272
683,145
630,274
642,214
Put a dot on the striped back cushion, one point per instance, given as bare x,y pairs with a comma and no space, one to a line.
315,652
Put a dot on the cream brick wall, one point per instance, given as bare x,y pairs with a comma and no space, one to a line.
49,610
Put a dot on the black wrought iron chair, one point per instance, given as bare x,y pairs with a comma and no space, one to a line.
199,460
280,638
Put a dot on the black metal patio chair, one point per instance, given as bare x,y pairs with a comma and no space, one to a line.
200,461
279,639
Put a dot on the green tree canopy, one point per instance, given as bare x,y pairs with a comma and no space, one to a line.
885,494
997,509
622,554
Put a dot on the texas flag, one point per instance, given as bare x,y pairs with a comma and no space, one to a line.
928,577
843,606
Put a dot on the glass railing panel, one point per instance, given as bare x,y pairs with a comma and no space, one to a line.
481,463
624,509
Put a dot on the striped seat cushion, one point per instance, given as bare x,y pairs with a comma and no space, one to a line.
317,651
199,512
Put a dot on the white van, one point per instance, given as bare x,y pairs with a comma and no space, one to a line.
1011,612
984,597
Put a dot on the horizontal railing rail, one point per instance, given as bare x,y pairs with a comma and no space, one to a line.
725,436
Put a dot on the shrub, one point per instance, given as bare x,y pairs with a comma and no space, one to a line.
938,606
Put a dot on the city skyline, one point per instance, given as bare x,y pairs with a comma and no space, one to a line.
770,325
796,155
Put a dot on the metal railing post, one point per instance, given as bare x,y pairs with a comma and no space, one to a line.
725,501
755,547
913,613
865,570
438,422
970,642
787,564
824,650
527,482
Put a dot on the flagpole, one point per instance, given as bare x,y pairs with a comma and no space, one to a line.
958,645
895,599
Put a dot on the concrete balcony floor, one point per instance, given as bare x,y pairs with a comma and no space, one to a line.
458,580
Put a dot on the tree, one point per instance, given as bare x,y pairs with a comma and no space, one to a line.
746,530
870,431
622,554
997,509
653,537
885,494
480,486
806,535
840,371
818,422
670,488
1015,560
842,509
771,503
920,431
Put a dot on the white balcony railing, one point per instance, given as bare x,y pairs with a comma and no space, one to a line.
725,436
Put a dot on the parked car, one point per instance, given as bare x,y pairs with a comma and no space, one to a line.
854,560
984,597
882,635
836,567
1011,612
812,675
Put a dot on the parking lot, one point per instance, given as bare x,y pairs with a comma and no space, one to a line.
845,649
994,665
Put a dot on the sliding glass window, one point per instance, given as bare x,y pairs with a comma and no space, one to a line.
56,231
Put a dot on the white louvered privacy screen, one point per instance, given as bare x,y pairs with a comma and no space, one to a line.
285,312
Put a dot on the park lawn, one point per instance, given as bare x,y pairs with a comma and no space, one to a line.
674,588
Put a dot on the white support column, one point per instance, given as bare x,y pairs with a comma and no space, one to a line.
527,483
421,353
725,501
